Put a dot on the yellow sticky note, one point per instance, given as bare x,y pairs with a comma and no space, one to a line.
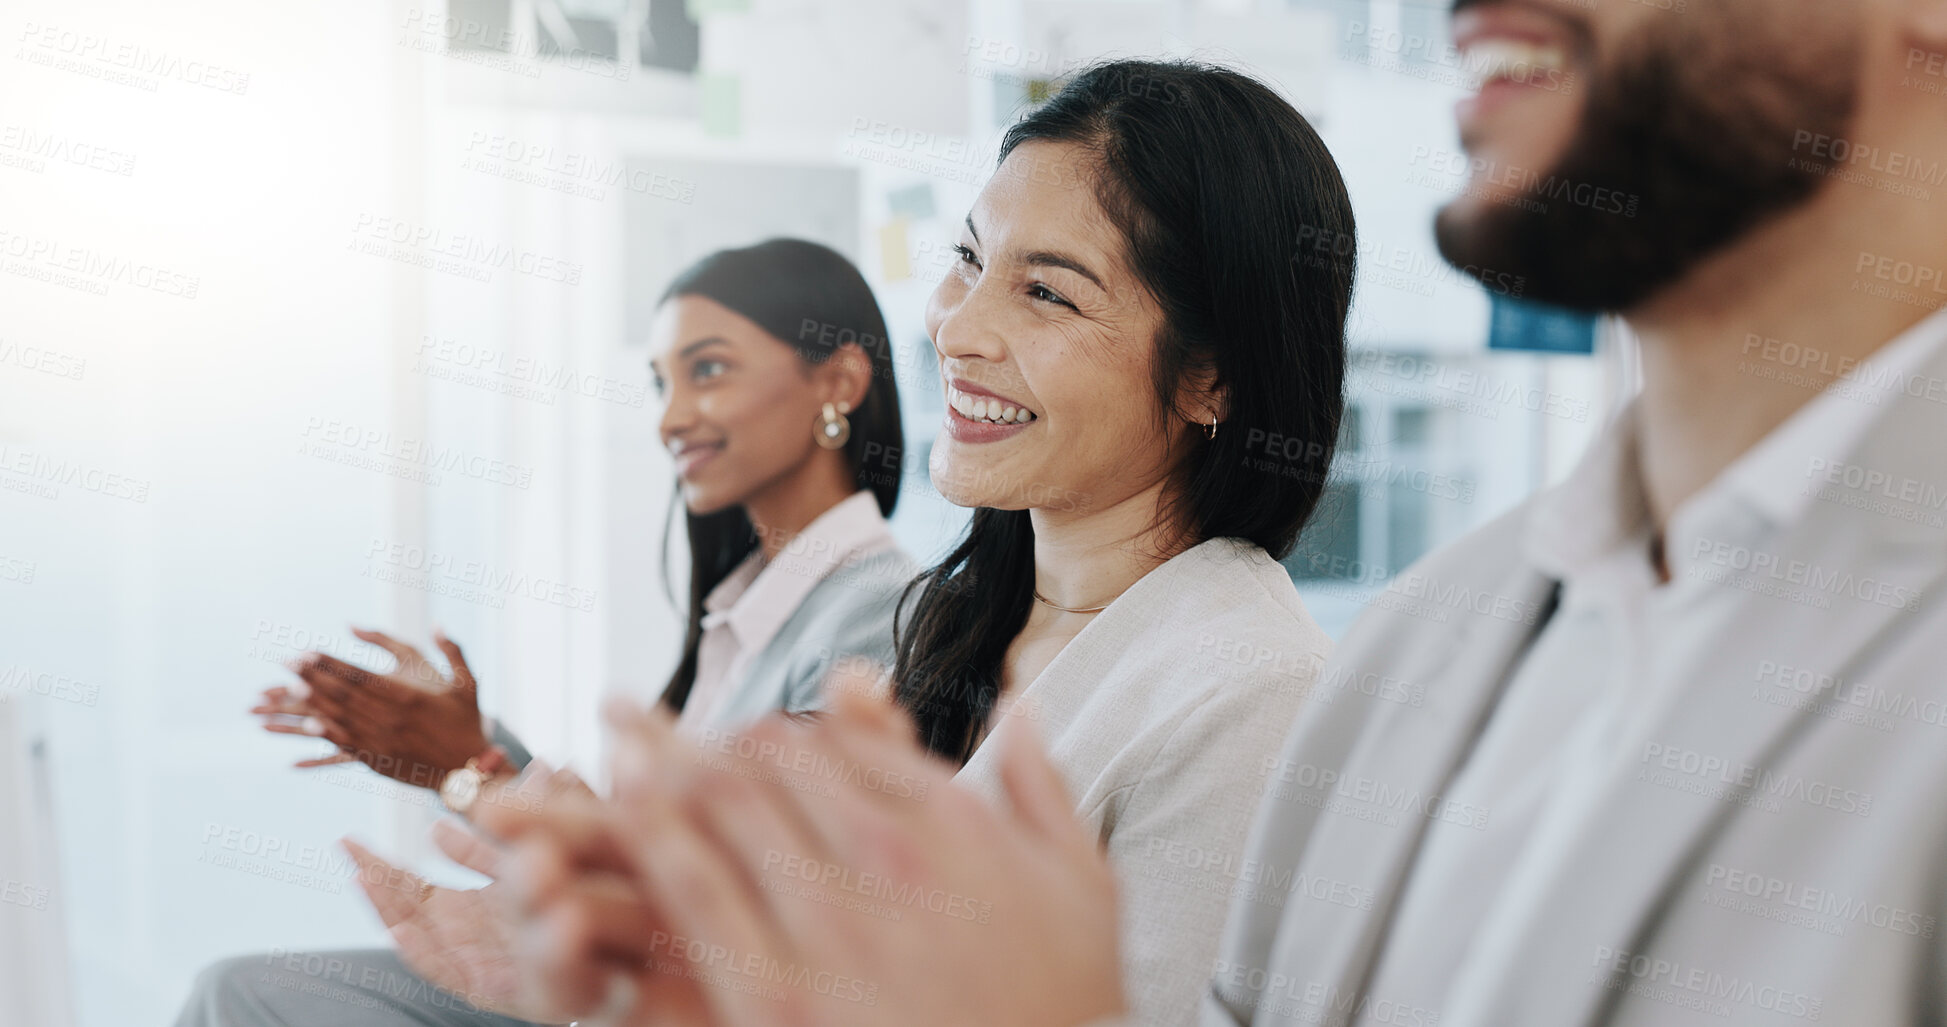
895,263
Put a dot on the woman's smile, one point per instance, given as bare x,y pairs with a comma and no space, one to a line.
975,414
691,456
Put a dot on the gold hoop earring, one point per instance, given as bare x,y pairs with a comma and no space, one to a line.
833,430
1213,426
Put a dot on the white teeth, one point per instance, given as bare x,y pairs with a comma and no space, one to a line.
1514,59
981,408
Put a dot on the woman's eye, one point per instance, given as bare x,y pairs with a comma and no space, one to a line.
708,369
657,383
1047,295
966,255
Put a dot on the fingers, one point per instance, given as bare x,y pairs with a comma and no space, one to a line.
431,957
281,701
411,665
326,761
698,896
745,818
331,693
868,706
283,714
567,782
313,666
466,848
339,737
647,751
462,674
358,708
576,830
572,950
393,892
831,800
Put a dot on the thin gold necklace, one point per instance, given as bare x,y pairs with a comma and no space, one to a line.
1043,600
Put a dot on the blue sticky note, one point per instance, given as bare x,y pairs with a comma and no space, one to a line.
1538,328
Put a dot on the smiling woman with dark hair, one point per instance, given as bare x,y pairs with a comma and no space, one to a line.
1130,317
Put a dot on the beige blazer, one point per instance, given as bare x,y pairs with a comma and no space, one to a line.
1808,884
1163,714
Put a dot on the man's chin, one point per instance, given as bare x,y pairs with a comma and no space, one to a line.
1462,229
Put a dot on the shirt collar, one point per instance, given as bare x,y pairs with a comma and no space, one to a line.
1601,506
1597,510
1772,476
758,597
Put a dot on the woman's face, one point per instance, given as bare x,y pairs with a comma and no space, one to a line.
1042,314
738,405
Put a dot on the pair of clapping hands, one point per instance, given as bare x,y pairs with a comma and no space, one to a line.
413,724
810,870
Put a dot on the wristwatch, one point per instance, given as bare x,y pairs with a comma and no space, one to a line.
461,789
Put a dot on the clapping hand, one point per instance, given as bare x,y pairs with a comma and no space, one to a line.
413,723
462,939
758,865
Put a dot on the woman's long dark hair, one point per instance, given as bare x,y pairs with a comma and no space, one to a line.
1236,219
812,299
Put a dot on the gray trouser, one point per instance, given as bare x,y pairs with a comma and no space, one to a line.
369,988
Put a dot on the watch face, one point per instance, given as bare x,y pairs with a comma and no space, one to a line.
460,789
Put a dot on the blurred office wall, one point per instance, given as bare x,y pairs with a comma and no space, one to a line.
320,314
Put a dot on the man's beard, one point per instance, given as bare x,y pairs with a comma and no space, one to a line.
1692,134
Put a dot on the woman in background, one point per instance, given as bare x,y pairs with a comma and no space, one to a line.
786,436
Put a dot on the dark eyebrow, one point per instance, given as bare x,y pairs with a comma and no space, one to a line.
1043,258
1047,258
686,351
714,340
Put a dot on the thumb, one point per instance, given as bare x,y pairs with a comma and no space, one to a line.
393,892
466,848
462,674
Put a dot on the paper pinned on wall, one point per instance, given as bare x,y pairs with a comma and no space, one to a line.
895,262
719,101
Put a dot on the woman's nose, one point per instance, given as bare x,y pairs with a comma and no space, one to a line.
966,325
679,414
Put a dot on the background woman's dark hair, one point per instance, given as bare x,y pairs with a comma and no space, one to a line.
808,297
1237,221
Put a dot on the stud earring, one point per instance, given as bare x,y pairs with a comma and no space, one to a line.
833,430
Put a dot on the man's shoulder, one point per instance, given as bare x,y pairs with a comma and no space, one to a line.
1479,586
1494,547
